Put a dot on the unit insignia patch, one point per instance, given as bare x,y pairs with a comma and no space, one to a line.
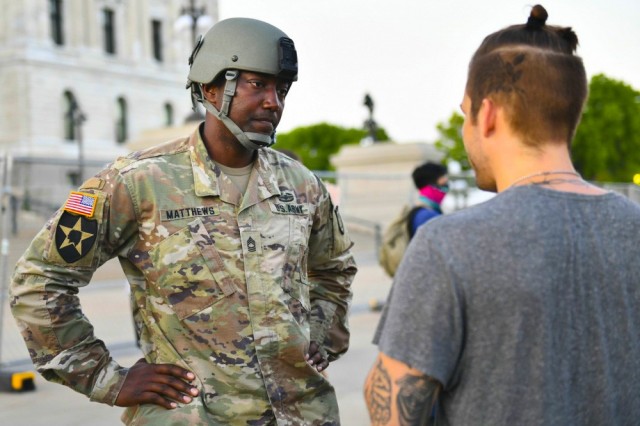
75,235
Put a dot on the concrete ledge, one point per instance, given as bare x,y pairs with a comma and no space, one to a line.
392,156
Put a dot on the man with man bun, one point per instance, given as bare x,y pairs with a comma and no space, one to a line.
523,310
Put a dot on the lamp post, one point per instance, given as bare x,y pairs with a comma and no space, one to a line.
78,117
193,17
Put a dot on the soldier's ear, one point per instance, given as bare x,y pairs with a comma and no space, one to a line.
211,92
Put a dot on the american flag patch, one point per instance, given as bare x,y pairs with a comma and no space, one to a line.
81,203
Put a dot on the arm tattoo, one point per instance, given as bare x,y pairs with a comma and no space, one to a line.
415,400
378,394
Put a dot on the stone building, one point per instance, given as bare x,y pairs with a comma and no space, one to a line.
123,63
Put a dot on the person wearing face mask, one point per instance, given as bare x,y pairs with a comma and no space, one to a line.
432,183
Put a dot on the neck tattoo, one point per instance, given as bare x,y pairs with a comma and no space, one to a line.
545,180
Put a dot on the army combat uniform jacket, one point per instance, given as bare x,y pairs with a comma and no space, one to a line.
230,287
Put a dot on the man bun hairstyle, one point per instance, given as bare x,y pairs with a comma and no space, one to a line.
537,18
532,70
535,33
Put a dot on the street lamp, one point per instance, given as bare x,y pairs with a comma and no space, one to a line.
78,117
195,18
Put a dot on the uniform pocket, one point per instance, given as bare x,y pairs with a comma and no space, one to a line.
190,273
295,280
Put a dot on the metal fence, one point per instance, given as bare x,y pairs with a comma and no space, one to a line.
32,189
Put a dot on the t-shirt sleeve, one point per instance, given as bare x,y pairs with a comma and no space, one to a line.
422,323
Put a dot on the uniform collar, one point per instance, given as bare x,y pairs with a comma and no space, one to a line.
207,180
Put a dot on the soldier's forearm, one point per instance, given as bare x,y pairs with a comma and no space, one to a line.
60,338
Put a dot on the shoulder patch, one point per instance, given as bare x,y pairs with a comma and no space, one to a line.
75,236
93,183
81,203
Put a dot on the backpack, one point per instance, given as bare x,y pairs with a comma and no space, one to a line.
395,240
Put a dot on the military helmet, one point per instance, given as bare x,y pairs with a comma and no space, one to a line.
243,44
234,45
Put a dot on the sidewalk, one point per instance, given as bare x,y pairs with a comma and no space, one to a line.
52,404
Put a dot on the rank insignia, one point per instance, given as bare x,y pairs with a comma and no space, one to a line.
81,203
75,235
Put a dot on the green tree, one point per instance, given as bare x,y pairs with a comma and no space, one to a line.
606,147
315,144
450,141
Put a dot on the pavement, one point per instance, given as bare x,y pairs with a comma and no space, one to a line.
106,303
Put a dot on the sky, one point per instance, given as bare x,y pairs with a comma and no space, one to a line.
411,56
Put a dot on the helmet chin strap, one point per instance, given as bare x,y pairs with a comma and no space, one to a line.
249,140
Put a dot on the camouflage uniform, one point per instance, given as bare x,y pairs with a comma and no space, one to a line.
230,287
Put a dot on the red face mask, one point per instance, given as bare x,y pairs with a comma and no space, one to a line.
435,193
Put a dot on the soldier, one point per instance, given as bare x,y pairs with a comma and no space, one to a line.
238,262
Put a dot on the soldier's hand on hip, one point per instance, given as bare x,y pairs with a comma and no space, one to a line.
160,384
315,357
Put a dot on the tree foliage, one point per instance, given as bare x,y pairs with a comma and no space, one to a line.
315,144
607,143
450,141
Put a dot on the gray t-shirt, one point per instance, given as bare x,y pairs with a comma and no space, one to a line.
526,308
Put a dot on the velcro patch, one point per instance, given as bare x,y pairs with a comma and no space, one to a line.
251,242
289,208
75,236
81,203
186,213
93,183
